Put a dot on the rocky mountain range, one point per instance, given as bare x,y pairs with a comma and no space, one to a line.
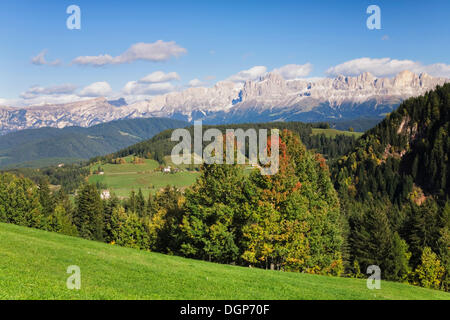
270,98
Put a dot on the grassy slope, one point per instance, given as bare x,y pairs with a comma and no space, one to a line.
33,265
122,178
333,132
43,163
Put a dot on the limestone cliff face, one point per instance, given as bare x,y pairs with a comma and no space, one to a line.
269,98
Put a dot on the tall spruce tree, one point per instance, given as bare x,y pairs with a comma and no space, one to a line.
140,203
88,217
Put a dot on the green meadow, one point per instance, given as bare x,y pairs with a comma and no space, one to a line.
34,264
331,133
121,179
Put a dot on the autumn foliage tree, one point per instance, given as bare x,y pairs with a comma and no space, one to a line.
289,220
296,225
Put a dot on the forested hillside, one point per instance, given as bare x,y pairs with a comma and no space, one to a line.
394,189
22,148
71,176
280,221
160,146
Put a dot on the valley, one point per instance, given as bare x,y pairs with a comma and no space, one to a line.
42,147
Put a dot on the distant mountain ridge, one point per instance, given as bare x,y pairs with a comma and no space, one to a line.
30,145
270,98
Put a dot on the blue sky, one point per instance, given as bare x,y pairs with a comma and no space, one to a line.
220,39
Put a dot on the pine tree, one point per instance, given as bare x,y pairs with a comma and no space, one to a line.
140,204
132,202
108,208
371,240
152,206
45,197
88,217
400,259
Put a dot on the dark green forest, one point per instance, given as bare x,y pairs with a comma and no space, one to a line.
394,190
160,146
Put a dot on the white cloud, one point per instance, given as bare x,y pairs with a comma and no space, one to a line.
40,60
96,89
153,84
46,99
4,102
35,91
438,70
159,76
250,74
155,52
387,67
39,95
195,83
138,88
294,71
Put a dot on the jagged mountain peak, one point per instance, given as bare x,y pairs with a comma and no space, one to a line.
269,98
118,103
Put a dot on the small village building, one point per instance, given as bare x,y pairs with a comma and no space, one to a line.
105,195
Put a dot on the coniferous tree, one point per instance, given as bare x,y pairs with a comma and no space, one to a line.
152,205
60,221
108,207
140,203
20,202
45,197
88,216
210,215
132,202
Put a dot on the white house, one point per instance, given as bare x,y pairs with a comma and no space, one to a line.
105,195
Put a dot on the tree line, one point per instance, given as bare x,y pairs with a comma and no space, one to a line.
292,221
394,193
289,221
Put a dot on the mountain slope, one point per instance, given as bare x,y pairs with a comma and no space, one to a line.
395,192
330,146
111,272
270,98
76,142
411,146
